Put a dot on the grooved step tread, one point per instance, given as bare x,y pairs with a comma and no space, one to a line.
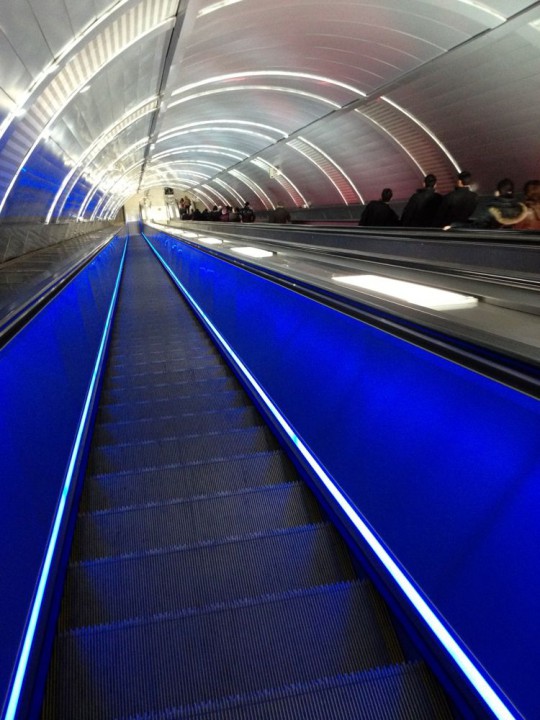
180,451
119,371
176,425
177,390
179,358
161,391
407,691
155,379
109,591
169,406
104,492
296,637
193,520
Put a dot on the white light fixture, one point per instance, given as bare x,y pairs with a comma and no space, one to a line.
188,234
423,295
252,252
85,89
210,240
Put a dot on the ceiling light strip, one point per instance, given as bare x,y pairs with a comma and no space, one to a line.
249,88
216,6
225,121
54,65
425,129
59,110
274,74
99,144
103,173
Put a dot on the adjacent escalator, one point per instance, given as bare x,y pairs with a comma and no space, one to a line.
204,580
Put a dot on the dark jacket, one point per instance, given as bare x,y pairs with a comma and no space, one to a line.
456,207
280,215
499,212
421,208
378,212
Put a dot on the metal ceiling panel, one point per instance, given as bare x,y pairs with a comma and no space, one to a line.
487,118
346,96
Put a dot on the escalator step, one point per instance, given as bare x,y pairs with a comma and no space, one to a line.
170,363
146,337
242,647
191,374
172,405
114,590
106,492
174,524
164,390
176,425
181,358
406,691
180,451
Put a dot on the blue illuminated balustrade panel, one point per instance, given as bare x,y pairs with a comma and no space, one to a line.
45,373
442,462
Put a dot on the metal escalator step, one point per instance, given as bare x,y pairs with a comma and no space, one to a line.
176,425
185,354
115,590
158,338
214,369
407,691
243,647
172,405
184,388
158,452
163,363
185,522
107,492
157,331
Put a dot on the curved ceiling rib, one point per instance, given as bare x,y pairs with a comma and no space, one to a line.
360,99
93,150
147,18
254,187
343,184
103,172
55,64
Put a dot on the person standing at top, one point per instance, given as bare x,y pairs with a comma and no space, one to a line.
379,212
247,214
280,214
531,193
458,205
501,210
422,206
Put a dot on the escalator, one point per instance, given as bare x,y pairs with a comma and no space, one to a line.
204,580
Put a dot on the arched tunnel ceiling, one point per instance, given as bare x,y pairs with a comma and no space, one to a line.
303,101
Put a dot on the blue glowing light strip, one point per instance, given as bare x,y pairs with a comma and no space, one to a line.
31,627
470,670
